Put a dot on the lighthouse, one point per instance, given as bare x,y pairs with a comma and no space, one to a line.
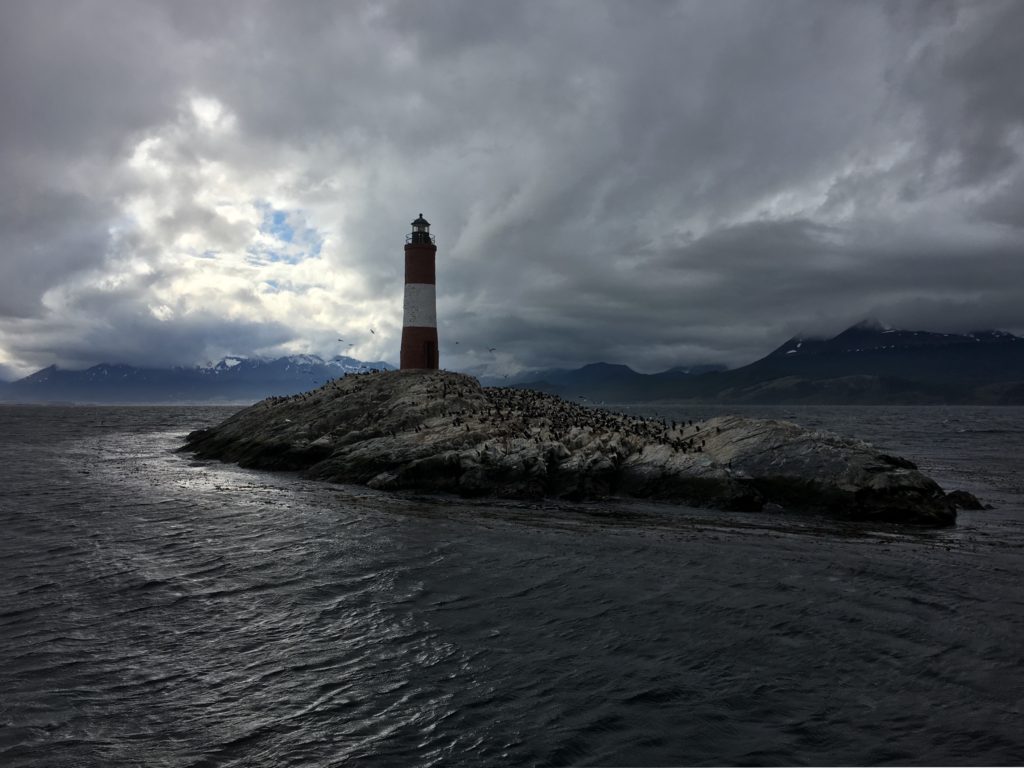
419,320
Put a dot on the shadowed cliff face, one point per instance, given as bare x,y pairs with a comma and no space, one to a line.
442,432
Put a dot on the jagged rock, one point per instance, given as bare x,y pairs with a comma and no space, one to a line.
442,432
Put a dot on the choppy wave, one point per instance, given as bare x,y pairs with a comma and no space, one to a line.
159,611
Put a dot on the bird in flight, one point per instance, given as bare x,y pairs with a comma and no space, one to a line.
492,349
340,339
372,331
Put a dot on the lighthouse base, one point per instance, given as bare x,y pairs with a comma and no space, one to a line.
419,348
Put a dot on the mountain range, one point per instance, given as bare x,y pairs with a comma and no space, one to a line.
865,364
232,380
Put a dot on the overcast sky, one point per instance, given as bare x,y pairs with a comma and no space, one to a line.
650,183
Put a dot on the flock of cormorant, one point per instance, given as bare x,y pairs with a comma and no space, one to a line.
512,412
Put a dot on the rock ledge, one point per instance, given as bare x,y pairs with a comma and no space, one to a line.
437,431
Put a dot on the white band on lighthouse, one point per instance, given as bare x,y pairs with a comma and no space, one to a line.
420,309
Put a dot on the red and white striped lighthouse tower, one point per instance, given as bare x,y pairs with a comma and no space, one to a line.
419,321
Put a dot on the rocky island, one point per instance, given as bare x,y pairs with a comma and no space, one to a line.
436,431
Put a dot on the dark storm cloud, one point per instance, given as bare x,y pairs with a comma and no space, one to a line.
654,184
47,235
79,79
965,78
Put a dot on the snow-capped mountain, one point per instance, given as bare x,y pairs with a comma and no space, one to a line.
864,364
233,379
296,363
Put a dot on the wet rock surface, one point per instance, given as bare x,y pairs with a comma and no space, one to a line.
435,431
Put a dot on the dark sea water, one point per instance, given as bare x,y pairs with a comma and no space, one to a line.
159,611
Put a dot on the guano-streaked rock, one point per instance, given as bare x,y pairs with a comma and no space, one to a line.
436,431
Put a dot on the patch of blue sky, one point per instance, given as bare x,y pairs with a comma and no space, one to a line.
278,256
282,286
279,227
294,241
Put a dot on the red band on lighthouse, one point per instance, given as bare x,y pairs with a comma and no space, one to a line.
419,316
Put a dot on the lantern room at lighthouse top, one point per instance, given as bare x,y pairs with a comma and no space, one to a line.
420,232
